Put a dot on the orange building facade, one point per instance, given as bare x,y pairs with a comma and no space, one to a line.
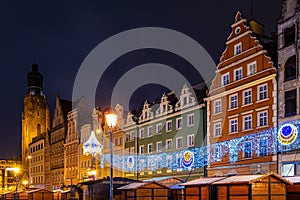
242,104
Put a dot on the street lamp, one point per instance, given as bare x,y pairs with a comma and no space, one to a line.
111,120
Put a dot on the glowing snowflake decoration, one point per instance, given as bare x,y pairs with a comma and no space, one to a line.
92,146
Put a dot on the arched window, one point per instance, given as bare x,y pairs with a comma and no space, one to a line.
290,69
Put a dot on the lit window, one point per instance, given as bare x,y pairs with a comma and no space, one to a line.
233,100
237,48
263,118
247,121
247,150
247,96
233,125
179,143
169,125
262,92
190,120
225,79
288,169
179,123
150,131
169,144
238,74
251,68
217,106
150,148
217,129
159,146
190,140
158,128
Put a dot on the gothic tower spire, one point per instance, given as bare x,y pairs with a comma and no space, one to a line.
35,81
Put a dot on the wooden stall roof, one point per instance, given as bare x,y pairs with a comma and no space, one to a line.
202,181
248,179
167,180
293,179
39,190
134,186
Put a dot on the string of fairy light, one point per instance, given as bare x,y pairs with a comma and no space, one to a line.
262,143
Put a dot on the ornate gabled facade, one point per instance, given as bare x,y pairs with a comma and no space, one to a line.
155,145
57,140
242,104
289,82
35,116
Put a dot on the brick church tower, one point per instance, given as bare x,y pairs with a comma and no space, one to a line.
35,116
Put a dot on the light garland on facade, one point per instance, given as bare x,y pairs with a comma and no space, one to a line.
262,143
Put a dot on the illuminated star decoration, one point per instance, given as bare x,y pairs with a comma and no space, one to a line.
92,146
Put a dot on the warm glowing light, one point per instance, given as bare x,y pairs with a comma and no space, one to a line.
29,157
25,182
111,119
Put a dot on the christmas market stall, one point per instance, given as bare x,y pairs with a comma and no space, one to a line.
293,191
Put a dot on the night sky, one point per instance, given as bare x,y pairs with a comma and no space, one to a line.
58,35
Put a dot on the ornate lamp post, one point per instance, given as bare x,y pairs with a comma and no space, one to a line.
111,120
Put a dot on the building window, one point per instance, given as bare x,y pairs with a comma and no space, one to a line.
288,169
150,131
290,103
290,69
150,148
179,123
289,36
262,92
225,79
149,164
233,100
263,118
168,144
190,120
142,149
247,150
131,136
263,151
251,68
179,143
169,126
233,126
190,140
238,74
158,128
237,48
217,129
142,133
126,137
169,162
247,121
217,106
159,146
159,163
217,153
247,96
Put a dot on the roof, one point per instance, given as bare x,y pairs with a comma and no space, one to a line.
39,190
137,185
248,179
293,179
157,179
203,181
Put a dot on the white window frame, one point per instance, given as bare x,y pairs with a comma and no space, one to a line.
230,101
259,117
231,125
191,138
151,144
217,108
217,126
244,96
158,130
131,135
244,152
259,92
167,147
238,48
250,70
240,70
148,133
142,131
190,120
251,121
225,78
140,150
177,139
157,143
177,120
167,123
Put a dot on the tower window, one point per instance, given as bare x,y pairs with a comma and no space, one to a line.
289,36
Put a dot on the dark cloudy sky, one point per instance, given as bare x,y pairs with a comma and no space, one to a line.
58,35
